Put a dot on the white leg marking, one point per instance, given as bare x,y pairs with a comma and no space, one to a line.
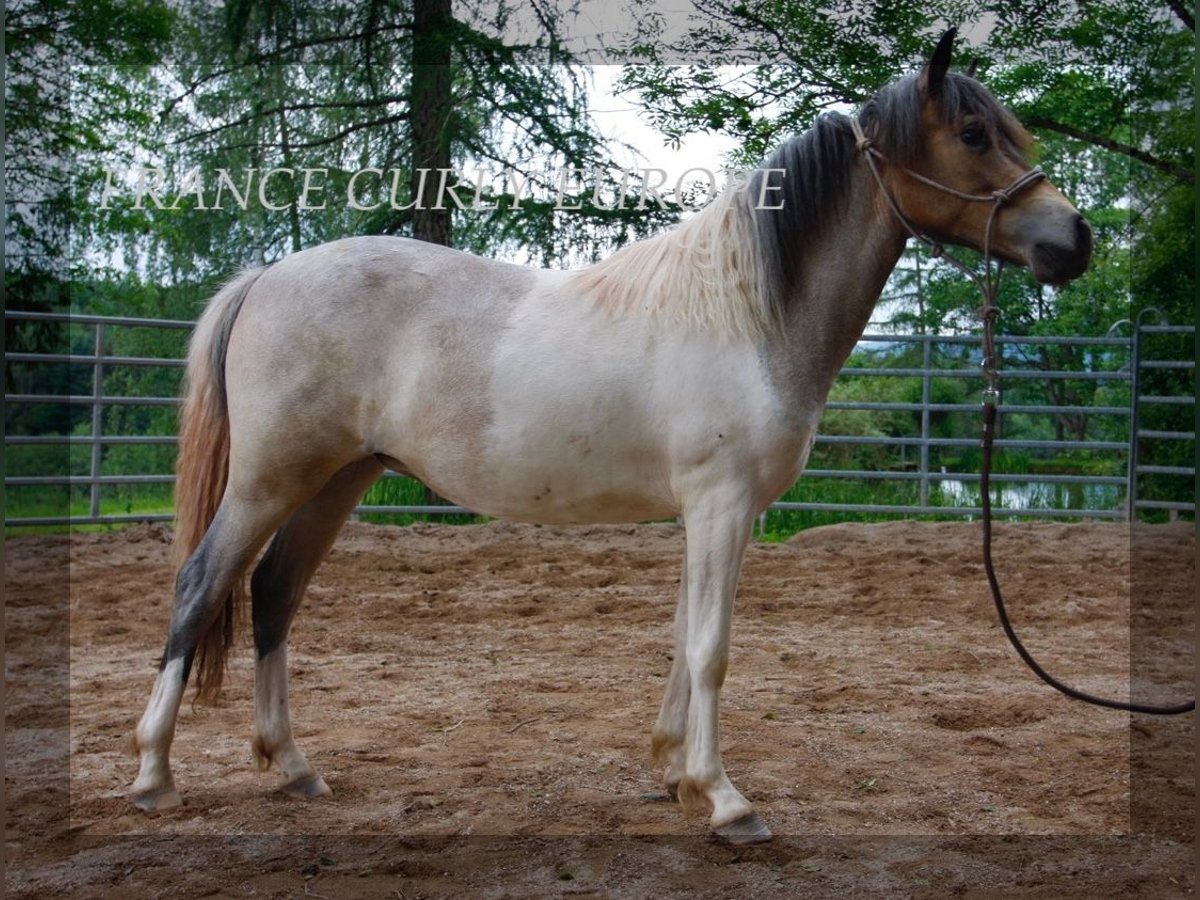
716,545
669,740
154,787
273,741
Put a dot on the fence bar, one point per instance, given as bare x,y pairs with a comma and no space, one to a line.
1173,401
65,440
1168,435
877,475
97,420
90,360
1031,340
1041,374
1177,505
885,406
35,521
1169,329
84,480
790,506
88,319
1168,364
87,400
1030,409
922,472
1166,470
1002,443
1011,443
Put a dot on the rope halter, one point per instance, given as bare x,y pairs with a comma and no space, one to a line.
989,282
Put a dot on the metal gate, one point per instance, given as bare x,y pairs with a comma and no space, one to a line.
1143,364
1138,477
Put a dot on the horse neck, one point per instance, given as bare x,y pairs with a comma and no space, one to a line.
838,284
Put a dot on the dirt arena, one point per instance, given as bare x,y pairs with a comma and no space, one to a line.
480,700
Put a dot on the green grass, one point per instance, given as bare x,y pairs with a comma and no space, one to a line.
22,502
395,491
782,524
27,502
44,501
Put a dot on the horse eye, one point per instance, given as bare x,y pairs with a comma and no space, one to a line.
974,137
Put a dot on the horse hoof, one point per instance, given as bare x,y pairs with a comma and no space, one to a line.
307,787
749,829
158,799
673,790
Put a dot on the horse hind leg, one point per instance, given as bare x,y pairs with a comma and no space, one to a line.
205,580
276,588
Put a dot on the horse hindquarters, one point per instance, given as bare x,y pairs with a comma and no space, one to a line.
237,483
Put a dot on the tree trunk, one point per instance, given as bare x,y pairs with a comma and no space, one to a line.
429,109
429,106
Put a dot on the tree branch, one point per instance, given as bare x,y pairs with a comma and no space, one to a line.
321,142
1149,159
1182,12
386,100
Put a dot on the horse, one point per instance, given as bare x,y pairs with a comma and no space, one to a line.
682,376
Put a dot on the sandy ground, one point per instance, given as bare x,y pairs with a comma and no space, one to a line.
480,700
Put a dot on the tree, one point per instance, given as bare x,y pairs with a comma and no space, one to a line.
430,103
1080,70
60,105
385,89
63,99
1105,86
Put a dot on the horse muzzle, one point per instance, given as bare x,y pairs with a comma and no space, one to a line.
1061,253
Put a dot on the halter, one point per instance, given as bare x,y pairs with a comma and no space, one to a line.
988,284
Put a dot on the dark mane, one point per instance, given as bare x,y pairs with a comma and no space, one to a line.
818,166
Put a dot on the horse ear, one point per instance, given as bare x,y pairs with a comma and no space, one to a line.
973,68
939,64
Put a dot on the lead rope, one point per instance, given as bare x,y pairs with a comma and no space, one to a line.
989,284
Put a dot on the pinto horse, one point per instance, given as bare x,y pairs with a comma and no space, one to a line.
685,375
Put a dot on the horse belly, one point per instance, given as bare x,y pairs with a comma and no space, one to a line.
562,414
535,469
550,442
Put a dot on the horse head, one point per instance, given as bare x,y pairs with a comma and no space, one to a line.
954,164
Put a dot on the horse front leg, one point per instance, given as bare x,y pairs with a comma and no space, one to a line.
717,534
668,741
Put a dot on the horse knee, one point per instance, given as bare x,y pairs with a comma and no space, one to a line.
708,668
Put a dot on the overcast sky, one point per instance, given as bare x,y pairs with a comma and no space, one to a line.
620,118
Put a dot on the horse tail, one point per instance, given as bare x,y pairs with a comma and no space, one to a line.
202,466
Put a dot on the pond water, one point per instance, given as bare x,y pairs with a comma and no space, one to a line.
1029,495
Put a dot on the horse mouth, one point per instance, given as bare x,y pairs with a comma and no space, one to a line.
1056,265
1055,262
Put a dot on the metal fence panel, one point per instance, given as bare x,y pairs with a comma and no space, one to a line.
923,441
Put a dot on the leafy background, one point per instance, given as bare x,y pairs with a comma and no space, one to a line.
1106,87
